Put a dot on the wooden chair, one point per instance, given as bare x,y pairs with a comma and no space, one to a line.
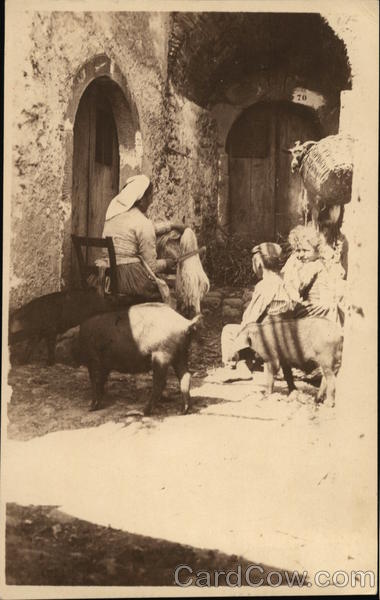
85,270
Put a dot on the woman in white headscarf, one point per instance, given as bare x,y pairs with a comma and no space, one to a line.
134,238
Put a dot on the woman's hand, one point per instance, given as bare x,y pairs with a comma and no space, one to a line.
170,264
178,226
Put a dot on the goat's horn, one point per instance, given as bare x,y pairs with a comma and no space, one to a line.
308,144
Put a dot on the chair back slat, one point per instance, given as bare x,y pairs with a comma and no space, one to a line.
90,242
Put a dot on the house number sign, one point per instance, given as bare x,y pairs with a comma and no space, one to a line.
308,98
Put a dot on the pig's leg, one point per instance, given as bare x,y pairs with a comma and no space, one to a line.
50,344
184,378
30,345
98,378
330,386
159,382
322,391
287,371
270,370
103,380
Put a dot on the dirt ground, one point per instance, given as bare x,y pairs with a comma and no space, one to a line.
48,547
46,399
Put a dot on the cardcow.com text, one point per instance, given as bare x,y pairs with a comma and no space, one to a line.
256,576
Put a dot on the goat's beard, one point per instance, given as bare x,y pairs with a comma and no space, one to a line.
192,283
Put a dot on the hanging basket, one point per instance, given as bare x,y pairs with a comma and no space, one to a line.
326,170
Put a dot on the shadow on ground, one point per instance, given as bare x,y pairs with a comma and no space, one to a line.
47,399
45,546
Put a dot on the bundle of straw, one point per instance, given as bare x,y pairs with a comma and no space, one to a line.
192,283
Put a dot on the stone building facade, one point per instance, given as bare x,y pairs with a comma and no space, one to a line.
204,103
179,92
63,54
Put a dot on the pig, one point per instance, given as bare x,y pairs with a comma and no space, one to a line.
144,337
47,316
304,343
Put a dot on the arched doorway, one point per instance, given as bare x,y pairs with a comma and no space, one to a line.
95,161
263,194
101,115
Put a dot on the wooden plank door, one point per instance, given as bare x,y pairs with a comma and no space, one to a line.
81,168
240,195
292,123
250,146
95,166
104,166
80,192
264,196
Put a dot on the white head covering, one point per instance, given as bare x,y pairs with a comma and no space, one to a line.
134,190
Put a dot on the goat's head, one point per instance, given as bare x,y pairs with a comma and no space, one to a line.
298,153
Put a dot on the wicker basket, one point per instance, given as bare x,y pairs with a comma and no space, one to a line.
327,170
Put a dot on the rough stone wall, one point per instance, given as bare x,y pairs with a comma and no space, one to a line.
211,51
356,398
189,167
179,138
277,85
359,118
55,46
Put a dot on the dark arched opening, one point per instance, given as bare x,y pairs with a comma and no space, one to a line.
265,198
95,160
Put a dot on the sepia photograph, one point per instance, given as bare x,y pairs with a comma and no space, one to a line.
189,327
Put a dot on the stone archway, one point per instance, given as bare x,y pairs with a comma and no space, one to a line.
101,119
96,162
226,62
264,198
